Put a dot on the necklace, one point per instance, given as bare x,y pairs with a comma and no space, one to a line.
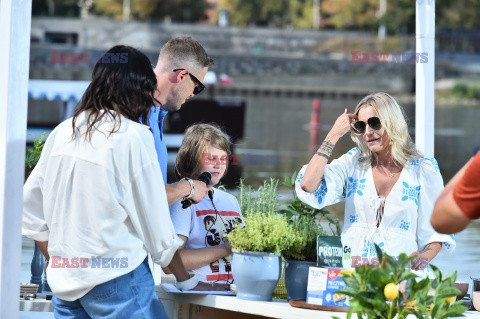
390,174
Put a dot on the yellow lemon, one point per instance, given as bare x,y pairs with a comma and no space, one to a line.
449,299
391,291
346,272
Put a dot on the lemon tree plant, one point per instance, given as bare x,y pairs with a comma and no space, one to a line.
375,294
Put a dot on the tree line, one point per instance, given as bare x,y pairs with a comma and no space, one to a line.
335,14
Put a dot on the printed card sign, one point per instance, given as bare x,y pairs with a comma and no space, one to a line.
317,284
323,284
329,251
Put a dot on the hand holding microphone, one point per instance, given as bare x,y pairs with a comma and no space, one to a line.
201,190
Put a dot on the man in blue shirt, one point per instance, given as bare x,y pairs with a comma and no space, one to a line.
181,68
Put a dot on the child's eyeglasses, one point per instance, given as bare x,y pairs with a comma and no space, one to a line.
359,127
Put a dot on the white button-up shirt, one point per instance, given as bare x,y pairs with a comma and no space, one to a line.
101,205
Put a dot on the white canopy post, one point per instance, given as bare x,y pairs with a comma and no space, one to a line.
15,20
425,77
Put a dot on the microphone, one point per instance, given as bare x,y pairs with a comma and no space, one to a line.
204,177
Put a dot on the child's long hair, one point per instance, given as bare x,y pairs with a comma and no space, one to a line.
198,138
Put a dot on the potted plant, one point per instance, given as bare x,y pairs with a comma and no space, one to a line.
306,221
263,199
256,263
374,293
32,156
38,261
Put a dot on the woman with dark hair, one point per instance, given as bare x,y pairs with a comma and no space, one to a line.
96,205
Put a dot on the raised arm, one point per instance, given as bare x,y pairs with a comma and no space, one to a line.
316,167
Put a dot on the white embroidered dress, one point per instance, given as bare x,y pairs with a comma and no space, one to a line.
405,225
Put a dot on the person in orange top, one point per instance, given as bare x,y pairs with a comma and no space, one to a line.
459,203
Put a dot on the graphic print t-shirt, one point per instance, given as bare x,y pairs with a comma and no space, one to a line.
205,228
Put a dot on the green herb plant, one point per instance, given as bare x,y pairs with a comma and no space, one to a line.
265,232
32,156
264,199
306,220
309,230
296,208
366,287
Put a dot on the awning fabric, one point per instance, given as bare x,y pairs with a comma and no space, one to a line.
56,90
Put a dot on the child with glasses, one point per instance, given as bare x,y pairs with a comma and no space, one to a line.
388,187
203,226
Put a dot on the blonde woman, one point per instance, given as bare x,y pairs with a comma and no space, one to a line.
388,187
202,226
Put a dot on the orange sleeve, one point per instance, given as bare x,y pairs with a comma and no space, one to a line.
467,192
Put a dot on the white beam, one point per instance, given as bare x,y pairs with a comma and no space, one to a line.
15,20
425,77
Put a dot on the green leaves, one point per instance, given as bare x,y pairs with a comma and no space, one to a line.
265,232
307,221
32,156
366,287
264,199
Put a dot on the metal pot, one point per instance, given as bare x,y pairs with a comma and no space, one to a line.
476,284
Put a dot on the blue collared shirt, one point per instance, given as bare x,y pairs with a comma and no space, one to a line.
155,121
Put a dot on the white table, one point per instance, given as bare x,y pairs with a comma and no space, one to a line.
190,306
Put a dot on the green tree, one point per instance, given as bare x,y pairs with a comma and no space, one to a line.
351,13
258,12
61,8
400,17
177,10
301,12
460,14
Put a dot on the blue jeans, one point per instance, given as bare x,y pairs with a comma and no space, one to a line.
129,296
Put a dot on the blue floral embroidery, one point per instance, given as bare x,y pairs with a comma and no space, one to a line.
410,192
361,160
321,191
353,151
354,218
369,248
414,162
434,163
447,245
404,225
355,186
299,177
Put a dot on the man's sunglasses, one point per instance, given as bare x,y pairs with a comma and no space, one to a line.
359,127
199,87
